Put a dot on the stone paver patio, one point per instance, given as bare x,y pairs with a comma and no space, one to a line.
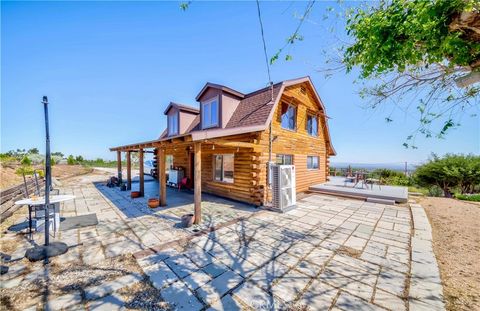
329,253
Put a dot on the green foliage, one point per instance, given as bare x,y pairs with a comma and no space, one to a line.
26,161
57,154
410,50
24,170
466,197
403,33
33,151
450,172
184,5
71,160
79,159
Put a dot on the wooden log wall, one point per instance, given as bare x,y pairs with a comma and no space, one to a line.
10,195
297,143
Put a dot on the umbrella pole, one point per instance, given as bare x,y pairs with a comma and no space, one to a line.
48,173
43,252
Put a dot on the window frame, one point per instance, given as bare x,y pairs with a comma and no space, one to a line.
294,107
177,127
308,162
282,155
222,177
209,102
315,117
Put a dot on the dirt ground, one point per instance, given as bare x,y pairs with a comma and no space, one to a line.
9,178
456,243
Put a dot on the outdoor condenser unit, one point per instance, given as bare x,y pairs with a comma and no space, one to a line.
283,187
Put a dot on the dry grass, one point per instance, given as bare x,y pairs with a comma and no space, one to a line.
8,177
456,243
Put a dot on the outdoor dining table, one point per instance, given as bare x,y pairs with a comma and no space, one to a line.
53,199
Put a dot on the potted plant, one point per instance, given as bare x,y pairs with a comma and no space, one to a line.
134,194
153,202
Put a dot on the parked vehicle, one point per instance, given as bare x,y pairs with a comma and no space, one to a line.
148,167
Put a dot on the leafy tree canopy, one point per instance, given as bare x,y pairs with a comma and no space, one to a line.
451,171
418,51
402,34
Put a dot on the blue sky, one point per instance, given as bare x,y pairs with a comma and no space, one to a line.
110,69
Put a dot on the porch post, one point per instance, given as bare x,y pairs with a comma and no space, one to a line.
162,191
142,177
198,182
119,165
129,171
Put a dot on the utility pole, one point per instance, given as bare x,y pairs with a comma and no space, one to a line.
406,168
48,172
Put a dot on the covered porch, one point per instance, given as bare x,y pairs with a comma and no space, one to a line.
195,159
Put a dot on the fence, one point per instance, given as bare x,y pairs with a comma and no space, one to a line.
15,193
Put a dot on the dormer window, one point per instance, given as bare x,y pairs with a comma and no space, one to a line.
210,113
173,124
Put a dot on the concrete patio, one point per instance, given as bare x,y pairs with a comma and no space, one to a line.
329,253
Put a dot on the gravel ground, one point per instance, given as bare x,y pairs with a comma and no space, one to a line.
62,279
456,243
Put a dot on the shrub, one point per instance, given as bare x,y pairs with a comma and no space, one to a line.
24,170
26,161
70,160
450,172
468,197
79,159
400,180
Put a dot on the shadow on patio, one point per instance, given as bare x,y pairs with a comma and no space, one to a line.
215,210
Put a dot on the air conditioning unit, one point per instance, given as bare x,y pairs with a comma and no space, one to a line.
283,187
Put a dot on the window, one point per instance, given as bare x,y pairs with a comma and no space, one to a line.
312,162
173,124
288,118
312,125
223,168
210,113
284,159
168,162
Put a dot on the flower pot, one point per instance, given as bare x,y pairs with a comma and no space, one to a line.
135,194
153,202
187,220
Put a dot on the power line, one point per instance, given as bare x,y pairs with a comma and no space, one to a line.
264,45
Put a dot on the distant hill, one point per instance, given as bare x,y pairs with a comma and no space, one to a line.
374,166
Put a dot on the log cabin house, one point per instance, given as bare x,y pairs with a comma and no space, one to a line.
224,146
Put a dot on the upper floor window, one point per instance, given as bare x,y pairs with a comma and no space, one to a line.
312,125
289,116
210,113
312,162
173,124
223,167
284,159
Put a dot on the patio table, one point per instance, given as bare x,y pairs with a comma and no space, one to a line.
53,199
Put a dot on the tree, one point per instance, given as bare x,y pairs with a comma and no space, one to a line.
58,154
79,159
33,151
26,161
70,160
451,171
420,51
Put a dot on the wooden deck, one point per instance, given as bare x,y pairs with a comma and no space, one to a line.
337,186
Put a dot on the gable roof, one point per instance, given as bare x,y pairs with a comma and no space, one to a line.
253,113
181,107
218,87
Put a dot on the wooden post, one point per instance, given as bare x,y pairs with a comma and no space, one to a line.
162,176
197,192
129,171
119,165
141,173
